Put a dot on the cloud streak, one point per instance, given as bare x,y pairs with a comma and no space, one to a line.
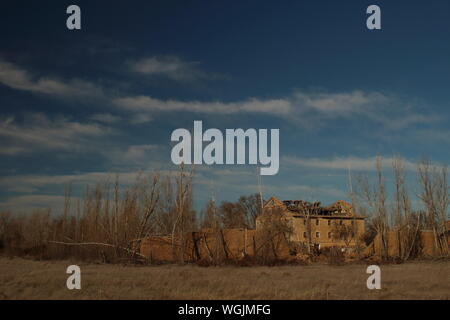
335,104
18,78
300,107
38,131
170,67
305,107
148,104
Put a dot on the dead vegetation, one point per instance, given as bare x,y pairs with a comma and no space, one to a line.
25,279
111,222
397,217
107,225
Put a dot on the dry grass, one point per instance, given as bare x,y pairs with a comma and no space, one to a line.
27,279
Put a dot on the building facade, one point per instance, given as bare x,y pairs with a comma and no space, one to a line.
310,223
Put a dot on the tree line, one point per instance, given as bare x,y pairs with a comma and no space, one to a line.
110,220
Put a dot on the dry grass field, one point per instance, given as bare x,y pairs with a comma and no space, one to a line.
28,279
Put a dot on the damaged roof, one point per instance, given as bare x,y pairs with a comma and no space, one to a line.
338,208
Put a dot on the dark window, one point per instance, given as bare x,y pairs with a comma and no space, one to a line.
317,222
317,234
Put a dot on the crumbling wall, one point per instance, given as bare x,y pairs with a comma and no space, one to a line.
427,244
211,245
157,248
222,244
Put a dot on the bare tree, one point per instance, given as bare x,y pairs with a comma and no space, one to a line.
356,209
182,206
232,215
309,209
251,207
149,195
406,223
210,217
344,232
274,233
375,199
434,195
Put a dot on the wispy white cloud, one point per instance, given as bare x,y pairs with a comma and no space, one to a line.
105,118
390,111
302,107
171,67
39,131
16,77
335,104
140,118
143,104
129,118
404,119
132,155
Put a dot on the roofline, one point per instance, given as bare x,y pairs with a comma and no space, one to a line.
328,217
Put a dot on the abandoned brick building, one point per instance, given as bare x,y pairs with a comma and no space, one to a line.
333,225
309,224
303,218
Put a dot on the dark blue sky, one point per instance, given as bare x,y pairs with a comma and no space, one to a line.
78,105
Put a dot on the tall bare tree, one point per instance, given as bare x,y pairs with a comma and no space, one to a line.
434,195
251,207
375,198
183,204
